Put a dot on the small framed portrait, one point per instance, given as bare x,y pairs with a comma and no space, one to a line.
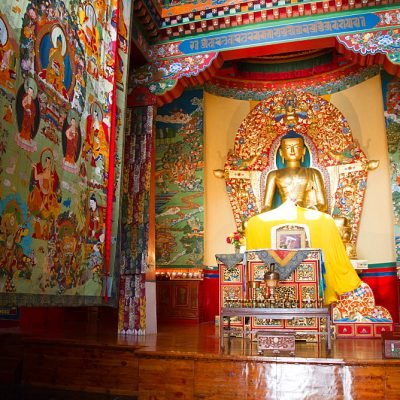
291,239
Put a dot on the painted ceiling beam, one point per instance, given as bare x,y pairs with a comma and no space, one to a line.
280,32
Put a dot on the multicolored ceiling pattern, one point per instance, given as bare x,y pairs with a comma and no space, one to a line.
173,19
356,34
318,72
380,42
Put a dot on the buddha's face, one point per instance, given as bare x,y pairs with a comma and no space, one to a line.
292,149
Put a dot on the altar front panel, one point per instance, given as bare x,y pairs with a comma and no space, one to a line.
302,285
231,283
302,288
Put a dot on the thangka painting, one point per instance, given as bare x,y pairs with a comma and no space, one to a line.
330,145
60,149
391,89
135,216
180,182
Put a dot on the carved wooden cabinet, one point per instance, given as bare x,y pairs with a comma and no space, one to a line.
304,287
179,300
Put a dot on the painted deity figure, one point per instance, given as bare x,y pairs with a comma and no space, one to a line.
71,141
122,29
290,113
68,251
55,60
90,33
8,113
7,58
55,68
97,138
95,221
27,107
43,198
12,232
302,185
90,36
28,119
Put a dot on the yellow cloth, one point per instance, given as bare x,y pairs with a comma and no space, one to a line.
340,276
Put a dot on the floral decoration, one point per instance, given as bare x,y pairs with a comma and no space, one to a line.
236,238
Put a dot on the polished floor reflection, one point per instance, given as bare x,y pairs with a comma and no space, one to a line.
185,361
204,338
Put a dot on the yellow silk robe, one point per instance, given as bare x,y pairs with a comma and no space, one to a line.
340,276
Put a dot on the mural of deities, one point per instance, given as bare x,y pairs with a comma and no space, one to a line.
57,74
179,182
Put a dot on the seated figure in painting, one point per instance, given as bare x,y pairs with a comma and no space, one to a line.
55,68
304,203
304,186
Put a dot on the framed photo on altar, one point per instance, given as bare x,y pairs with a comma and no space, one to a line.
287,236
291,239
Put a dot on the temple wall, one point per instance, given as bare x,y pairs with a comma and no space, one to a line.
366,118
223,117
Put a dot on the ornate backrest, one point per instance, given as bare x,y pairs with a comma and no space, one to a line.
331,149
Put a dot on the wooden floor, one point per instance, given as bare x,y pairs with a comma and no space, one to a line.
203,338
185,362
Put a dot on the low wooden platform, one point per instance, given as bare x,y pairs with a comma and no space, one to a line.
186,362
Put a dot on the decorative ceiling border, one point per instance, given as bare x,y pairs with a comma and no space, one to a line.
384,42
162,75
274,32
180,18
320,85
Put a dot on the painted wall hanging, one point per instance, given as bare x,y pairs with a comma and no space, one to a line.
60,150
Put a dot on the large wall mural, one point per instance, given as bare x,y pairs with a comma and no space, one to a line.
58,172
179,182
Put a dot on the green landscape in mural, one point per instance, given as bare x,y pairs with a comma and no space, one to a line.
179,182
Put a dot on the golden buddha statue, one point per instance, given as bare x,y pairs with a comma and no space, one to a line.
304,186
304,203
